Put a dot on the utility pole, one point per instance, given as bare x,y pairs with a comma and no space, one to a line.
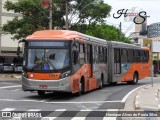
50,15
120,30
66,15
151,48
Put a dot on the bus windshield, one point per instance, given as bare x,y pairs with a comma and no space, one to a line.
47,59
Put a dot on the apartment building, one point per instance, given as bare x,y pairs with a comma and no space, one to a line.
8,46
9,61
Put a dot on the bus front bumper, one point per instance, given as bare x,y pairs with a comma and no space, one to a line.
46,85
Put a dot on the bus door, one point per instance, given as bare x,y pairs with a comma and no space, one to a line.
90,59
116,65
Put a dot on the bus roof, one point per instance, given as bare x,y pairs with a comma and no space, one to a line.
54,35
64,35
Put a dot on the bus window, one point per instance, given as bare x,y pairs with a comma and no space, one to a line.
105,55
124,57
89,53
117,61
137,56
146,56
142,56
82,54
130,55
101,54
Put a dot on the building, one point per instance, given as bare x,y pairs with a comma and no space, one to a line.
154,34
8,46
9,61
136,36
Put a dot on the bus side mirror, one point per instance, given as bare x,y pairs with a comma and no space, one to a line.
75,56
18,50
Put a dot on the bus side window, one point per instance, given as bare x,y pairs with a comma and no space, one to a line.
105,55
81,54
117,61
142,56
137,56
76,48
130,56
88,53
124,57
146,56
101,55
95,54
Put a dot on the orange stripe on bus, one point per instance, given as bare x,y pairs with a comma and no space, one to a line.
44,76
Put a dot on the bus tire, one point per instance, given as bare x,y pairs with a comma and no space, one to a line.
101,84
113,83
81,86
41,93
135,79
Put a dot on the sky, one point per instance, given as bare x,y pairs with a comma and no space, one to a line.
152,7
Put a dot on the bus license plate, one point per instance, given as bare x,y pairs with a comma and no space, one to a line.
43,86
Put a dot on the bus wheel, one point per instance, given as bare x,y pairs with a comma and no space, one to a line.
101,83
81,88
113,83
41,93
135,79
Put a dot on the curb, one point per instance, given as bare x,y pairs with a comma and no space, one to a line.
156,94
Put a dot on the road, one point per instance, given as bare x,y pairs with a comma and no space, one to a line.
12,98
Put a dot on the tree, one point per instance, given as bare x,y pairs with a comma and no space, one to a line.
35,17
89,11
103,31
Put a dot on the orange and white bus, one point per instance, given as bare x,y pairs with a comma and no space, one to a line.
69,61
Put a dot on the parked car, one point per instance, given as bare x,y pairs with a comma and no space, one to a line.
8,67
18,68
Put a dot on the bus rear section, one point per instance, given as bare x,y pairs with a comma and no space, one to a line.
58,60
129,63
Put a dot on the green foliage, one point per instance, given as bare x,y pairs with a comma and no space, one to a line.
104,31
35,17
89,11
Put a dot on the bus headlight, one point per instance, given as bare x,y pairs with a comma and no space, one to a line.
65,74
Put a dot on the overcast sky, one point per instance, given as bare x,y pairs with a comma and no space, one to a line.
152,7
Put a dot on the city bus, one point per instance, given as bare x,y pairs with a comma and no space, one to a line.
69,61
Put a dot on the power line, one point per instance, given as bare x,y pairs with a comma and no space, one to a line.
39,9
129,28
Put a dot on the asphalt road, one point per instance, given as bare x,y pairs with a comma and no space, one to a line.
12,98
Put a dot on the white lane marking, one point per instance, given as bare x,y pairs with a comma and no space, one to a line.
79,114
126,96
111,118
34,110
74,102
8,109
48,118
10,86
55,113
19,100
94,102
6,83
25,100
15,90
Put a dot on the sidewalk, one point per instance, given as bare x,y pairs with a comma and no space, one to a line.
145,98
10,77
